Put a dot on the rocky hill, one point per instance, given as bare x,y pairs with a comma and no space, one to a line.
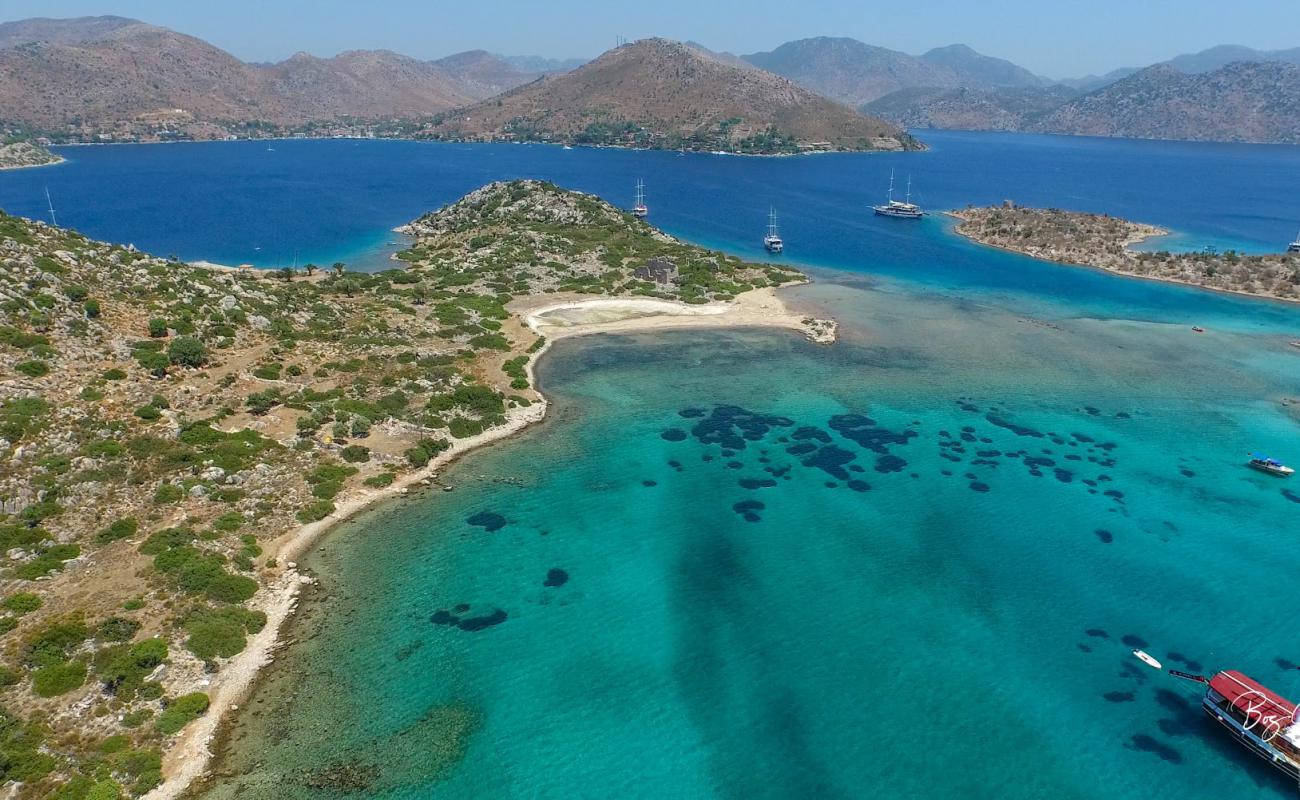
1242,102
855,73
19,154
166,430
659,93
480,75
969,109
97,75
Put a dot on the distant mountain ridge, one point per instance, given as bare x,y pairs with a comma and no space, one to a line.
1240,102
856,73
660,93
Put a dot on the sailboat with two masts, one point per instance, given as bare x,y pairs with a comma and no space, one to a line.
772,241
902,210
639,210
1294,247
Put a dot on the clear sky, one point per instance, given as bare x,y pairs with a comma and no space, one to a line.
1057,38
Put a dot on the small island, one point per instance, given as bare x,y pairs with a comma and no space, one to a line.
18,154
172,435
1105,242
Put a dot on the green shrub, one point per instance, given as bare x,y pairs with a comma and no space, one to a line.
356,454
229,521
113,374
58,679
53,643
157,328
315,511
123,668
93,309
22,603
148,413
181,712
117,629
168,493
33,368
380,481
220,632
76,292
186,351
47,562
20,416
166,539
123,528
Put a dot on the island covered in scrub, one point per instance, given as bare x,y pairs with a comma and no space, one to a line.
172,434
19,153
1105,242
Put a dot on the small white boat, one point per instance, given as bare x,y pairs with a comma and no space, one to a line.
1294,247
1269,465
1147,659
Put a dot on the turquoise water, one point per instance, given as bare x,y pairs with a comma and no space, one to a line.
952,618
921,638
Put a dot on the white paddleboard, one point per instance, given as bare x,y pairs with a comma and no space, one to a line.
1146,658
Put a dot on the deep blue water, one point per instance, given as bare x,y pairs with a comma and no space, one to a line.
923,606
328,200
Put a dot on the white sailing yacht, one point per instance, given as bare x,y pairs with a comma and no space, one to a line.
639,210
903,210
1294,247
772,241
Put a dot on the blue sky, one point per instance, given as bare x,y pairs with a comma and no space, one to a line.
1057,38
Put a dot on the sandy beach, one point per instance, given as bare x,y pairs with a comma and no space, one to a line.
553,316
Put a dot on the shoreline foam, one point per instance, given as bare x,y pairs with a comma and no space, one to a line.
191,756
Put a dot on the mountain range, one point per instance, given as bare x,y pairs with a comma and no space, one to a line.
114,78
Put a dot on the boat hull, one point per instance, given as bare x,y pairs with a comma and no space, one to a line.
1251,742
1276,472
896,214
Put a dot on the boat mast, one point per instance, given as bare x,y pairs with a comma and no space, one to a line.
891,186
909,190
771,223
640,192
54,220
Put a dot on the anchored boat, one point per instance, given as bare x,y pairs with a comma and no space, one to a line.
902,210
639,210
1294,247
1262,720
772,241
1269,465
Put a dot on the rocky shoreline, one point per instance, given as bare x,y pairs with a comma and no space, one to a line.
22,155
1104,242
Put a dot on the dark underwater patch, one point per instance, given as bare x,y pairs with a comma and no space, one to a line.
673,435
649,483
978,486
1120,697
470,624
488,521
1149,744
732,427
859,486
1104,535
1019,430
1290,495
1097,633
691,413
555,577
748,509
890,463
866,433
756,483
809,432
831,459
1133,640
1063,475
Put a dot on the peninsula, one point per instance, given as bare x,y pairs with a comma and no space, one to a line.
172,436
20,154
1104,242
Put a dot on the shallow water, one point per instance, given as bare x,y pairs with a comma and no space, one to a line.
903,633
916,633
